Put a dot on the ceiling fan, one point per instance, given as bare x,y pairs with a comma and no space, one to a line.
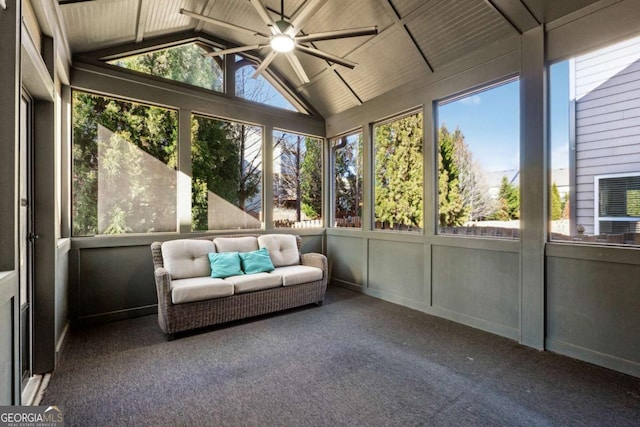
285,37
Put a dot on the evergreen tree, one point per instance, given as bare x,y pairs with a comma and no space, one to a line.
509,202
399,172
311,179
452,210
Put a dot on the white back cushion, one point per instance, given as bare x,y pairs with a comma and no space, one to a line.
236,244
282,248
186,258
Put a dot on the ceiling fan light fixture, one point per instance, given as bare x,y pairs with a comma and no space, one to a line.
282,43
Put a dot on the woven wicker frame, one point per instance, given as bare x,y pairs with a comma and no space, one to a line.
174,318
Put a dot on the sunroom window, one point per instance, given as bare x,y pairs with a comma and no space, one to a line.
124,176
226,159
186,63
258,89
479,162
297,180
594,149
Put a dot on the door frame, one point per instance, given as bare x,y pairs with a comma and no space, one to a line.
25,295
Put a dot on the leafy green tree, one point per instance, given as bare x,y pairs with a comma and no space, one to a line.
186,63
399,172
556,203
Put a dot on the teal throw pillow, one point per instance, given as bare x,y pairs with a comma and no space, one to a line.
225,264
256,261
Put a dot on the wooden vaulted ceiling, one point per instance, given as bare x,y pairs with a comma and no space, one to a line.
415,38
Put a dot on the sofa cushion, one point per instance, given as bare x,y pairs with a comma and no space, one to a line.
254,282
185,258
297,274
225,264
256,261
283,248
199,289
236,244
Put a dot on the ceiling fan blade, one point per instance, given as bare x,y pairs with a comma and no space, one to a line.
264,14
338,34
305,12
327,56
222,23
265,63
297,67
235,50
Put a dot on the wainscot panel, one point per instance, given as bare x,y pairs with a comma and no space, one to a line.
592,312
397,268
114,280
477,284
345,259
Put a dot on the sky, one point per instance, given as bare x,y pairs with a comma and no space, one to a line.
490,122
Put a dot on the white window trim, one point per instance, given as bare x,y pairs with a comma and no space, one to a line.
596,201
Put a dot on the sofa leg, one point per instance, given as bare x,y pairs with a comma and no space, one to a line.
319,303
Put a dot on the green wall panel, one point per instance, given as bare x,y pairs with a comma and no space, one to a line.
481,284
397,268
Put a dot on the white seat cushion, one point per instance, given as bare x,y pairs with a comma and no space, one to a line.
297,274
199,289
254,282
283,249
185,258
236,244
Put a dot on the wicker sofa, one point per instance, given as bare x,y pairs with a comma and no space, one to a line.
188,298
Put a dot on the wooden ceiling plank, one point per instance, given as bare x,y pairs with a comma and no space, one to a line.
206,10
143,12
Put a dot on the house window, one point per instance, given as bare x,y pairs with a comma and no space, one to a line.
258,89
398,171
594,149
124,166
226,159
479,162
347,180
297,180
187,63
618,204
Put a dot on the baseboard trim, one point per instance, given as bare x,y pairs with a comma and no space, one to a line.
345,284
61,341
112,316
473,322
595,357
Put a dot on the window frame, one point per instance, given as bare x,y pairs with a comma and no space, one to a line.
176,168
322,141
473,231
263,158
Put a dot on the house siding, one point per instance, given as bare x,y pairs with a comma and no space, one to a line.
607,127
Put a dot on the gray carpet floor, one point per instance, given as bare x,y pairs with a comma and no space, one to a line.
355,361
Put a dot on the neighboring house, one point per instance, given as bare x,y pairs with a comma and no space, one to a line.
605,85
